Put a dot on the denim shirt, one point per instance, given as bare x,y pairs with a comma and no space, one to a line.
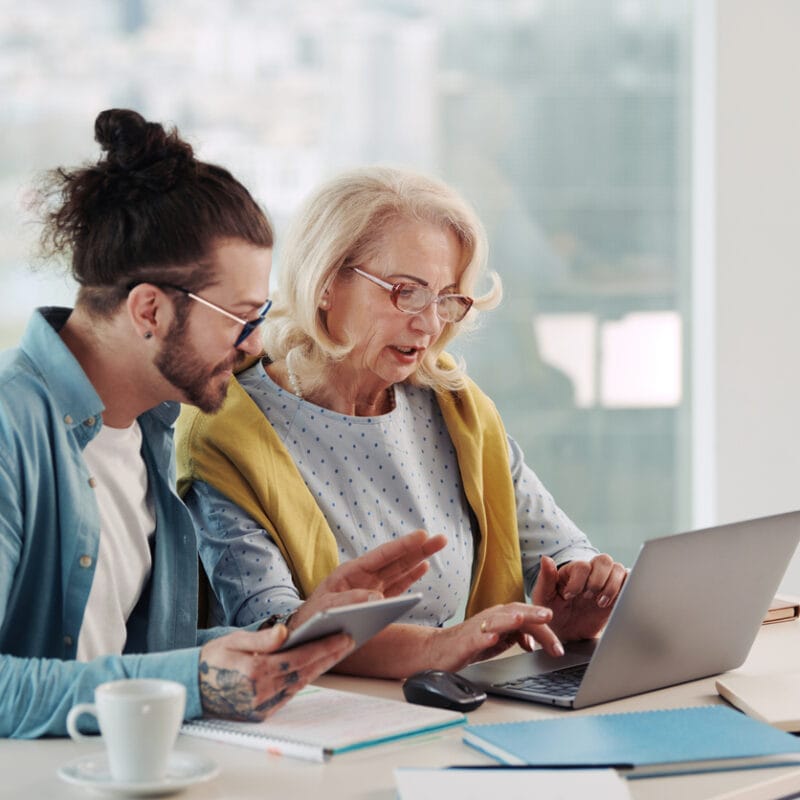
49,538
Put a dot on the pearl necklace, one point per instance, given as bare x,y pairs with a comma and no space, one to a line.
297,390
293,382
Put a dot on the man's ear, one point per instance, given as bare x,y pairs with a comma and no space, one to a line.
148,312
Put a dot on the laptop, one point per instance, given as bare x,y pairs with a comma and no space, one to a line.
691,606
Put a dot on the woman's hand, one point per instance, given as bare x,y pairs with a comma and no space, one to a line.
385,571
581,594
490,633
402,649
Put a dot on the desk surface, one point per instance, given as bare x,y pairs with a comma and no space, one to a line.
29,767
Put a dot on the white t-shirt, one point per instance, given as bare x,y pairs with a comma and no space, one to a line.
127,522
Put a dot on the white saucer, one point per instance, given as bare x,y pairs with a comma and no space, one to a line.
183,769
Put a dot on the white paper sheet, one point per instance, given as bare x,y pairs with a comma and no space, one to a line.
510,784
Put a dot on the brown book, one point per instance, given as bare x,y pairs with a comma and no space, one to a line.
784,607
772,698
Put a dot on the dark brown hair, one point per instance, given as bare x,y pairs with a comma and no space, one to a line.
147,210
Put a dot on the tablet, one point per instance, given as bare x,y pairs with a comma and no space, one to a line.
361,620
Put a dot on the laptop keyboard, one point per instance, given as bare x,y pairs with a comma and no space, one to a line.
560,683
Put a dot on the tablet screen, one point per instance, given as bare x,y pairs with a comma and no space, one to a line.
361,620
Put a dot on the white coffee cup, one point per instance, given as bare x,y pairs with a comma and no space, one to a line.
139,720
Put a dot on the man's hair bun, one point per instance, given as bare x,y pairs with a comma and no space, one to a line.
146,209
141,153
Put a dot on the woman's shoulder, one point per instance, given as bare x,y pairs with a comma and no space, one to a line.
237,415
467,386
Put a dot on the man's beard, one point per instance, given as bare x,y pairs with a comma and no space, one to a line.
179,363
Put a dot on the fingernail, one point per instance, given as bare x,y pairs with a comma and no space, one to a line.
559,649
374,596
542,613
603,601
587,595
568,595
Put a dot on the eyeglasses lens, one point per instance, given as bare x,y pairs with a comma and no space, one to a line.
249,327
414,299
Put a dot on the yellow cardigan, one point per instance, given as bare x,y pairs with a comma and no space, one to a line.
238,452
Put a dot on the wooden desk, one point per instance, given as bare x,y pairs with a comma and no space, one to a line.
29,767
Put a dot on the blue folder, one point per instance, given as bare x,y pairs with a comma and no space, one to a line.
641,743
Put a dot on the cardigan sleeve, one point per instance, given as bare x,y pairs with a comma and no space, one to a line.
544,529
248,574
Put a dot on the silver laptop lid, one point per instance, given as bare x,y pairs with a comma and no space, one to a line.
691,607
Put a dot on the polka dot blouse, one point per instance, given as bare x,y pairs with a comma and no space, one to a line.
374,479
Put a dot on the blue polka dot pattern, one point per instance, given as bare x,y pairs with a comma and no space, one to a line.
374,478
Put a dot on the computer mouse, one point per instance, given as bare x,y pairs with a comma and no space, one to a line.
435,687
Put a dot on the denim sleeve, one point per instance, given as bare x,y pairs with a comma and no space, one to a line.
10,535
250,578
36,694
544,529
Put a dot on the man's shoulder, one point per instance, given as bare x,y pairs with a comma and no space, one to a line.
18,365
24,395
26,415
20,381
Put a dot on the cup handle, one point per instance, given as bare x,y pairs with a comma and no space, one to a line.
72,719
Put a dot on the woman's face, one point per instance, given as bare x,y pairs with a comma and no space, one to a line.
390,344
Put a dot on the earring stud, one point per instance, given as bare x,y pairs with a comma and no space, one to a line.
148,334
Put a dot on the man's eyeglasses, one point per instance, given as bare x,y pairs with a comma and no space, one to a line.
248,326
413,298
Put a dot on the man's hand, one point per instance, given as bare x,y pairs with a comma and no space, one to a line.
581,594
386,571
242,677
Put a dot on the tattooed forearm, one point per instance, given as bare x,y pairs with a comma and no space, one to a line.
226,692
230,694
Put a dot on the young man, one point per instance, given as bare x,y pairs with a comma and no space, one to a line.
98,561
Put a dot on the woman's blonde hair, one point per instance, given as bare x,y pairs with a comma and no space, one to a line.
345,223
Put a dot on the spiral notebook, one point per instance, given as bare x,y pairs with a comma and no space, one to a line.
641,743
319,722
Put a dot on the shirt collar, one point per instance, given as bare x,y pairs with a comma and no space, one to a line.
64,376
59,369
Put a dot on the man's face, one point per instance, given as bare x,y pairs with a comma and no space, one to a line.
200,354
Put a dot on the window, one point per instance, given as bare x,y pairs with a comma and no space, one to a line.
566,123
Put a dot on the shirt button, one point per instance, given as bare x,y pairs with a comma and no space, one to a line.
85,561
89,422
68,641
92,482
68,419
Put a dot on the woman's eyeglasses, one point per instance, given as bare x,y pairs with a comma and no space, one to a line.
413,298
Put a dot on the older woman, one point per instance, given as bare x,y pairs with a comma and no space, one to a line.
358,427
